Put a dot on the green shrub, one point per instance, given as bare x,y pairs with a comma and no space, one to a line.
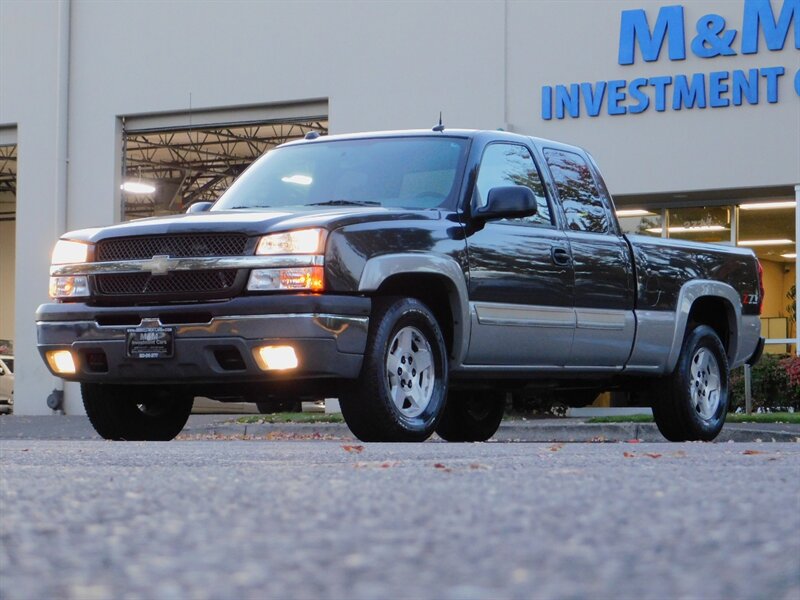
775,384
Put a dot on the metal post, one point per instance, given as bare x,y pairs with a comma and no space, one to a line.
748,390
796,264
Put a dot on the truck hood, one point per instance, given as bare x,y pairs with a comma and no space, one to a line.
252,223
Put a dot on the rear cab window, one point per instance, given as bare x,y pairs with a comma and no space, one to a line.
577,189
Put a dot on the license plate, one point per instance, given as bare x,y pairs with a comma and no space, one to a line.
150,342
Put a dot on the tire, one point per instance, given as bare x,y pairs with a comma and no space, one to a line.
471,416
694,401
268,407
402,331
136,413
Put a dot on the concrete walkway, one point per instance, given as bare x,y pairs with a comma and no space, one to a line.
535,430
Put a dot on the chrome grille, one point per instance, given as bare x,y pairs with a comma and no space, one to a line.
176,246
177,282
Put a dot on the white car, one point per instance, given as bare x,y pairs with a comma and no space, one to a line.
6,384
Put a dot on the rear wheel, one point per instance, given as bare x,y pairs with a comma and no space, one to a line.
400,393
694,402
152,413
471,416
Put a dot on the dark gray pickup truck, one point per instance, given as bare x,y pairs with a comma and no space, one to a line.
418,275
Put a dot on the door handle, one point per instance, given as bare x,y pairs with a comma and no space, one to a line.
560,256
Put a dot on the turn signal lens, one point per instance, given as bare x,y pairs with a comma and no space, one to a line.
69,287
303,241
276,358
61,361
68,252
294,278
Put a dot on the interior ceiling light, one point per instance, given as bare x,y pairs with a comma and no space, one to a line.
768,205
789,255
635,212
298,179
695,229
776,242
137,187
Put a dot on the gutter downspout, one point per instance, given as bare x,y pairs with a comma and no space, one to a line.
62,142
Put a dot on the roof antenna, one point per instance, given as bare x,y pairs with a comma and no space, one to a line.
439,127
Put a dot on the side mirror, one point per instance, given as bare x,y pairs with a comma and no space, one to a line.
506,202
198,207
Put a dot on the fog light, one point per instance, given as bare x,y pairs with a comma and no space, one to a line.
61,361
295,278
276,358
69,287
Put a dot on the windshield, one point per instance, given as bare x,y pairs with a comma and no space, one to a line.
421,172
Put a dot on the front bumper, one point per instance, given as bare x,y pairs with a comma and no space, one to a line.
214,341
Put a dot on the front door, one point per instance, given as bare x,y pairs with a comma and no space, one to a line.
520,273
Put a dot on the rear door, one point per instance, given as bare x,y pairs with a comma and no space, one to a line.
520,272
604,284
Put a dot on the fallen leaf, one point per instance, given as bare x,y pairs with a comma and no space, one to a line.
628,455
634,441
443,468
652,455
556,447
753,452
356,449
679,453
386,465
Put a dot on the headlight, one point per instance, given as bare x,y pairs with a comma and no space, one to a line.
69,252
303,241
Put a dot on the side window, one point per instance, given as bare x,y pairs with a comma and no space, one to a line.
580,198
512,164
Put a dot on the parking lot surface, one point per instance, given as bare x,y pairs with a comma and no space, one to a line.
334,519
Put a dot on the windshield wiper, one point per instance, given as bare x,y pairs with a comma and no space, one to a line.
345,203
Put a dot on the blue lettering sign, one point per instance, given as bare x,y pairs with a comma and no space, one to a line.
745,85
635,92
689,96
661,83
717,87
547,102
569,100
771,75
616,94
712,39
593,98
634,29
758,17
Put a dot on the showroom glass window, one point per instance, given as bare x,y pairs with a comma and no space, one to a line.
580,197
512,164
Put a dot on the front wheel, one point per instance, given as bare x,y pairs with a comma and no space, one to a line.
694,403
471,416
136,413
401,391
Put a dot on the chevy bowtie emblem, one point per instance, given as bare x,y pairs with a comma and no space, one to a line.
158,265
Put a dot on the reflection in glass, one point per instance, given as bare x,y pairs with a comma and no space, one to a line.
641,222
699,224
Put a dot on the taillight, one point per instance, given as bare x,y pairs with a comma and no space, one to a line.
760,285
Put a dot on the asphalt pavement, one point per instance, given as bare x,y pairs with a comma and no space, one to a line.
226,519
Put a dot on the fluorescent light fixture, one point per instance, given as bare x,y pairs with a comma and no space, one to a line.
776,242
768,205
298,179
635,212
789,255
695,229
137,187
